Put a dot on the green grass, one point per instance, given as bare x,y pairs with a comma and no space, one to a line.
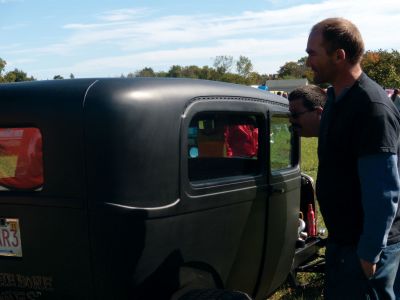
311,283
309,165
309,159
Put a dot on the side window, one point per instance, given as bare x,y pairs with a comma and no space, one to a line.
280,143
223,145
21,162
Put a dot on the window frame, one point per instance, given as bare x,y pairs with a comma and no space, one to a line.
294,147
230,182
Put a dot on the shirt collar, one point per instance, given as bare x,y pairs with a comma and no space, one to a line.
336,99
331,94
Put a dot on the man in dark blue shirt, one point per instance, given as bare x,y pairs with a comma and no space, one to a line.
358,185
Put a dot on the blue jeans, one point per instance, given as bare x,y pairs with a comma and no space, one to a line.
345,278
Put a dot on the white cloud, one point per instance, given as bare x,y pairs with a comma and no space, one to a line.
163,59
122,14
199,28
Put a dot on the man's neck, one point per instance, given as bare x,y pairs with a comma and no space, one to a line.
346,78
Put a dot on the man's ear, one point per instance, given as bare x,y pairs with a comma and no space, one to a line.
319,110
340,54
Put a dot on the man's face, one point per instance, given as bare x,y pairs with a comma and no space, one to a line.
318,59
304,121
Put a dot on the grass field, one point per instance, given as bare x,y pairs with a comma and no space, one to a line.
309,159
311,283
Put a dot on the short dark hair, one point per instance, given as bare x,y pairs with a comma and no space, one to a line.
339,33
312,96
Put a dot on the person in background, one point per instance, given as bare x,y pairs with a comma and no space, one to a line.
241,139
306,105
396,98
358,184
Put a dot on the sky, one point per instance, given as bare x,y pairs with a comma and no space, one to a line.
107,38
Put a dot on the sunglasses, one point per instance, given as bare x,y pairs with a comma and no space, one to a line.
295,115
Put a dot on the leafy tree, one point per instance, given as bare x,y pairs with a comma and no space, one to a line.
161,74
244,66
299,69
306,71
208,73
255,78
223,63
17,76
383,67
175,71
191,72
290,69
145,72
233,78
2,66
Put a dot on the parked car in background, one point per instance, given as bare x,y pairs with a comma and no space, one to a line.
125,189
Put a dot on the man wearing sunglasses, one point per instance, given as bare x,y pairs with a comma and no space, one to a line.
305,105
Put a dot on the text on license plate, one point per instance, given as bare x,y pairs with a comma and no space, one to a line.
10,237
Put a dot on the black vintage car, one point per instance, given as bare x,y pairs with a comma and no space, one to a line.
147,189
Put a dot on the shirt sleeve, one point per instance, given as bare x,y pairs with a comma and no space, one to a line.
378,130
380,188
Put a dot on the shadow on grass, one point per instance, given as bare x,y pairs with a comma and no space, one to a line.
312,290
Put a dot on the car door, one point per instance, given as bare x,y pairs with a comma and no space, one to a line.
224,188
283,203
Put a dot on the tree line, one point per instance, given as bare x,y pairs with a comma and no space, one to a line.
381,65
12,76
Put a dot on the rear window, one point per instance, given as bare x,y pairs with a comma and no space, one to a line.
223,145
21,161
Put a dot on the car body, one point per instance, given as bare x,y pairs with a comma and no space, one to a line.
139,198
